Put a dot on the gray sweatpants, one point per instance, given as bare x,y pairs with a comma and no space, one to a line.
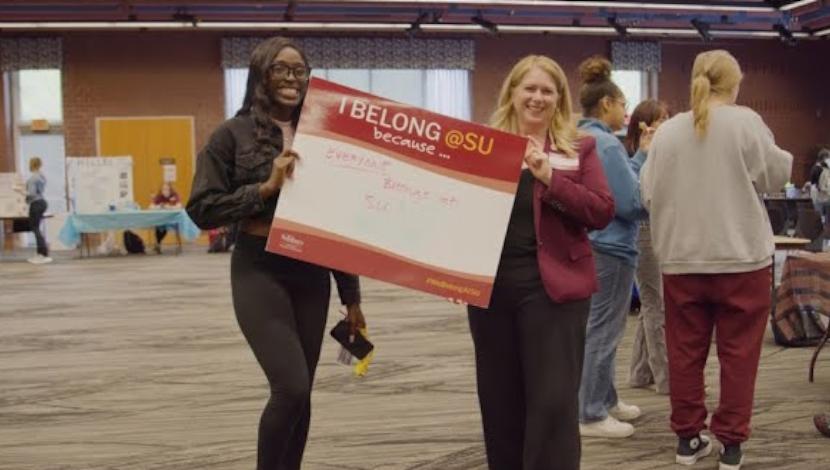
648,359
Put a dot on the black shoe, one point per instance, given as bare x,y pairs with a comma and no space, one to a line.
689,451
731,457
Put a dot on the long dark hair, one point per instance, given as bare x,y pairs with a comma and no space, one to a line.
258,102
647,113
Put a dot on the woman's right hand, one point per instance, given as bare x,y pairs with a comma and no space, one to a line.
282,168
537,161
646,137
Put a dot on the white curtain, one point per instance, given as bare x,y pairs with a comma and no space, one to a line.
235,80
442,91
448,92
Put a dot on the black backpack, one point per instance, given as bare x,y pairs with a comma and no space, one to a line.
133,243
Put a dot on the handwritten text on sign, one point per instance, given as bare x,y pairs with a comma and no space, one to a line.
398,193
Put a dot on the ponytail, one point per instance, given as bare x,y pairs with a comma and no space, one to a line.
701,90
714,73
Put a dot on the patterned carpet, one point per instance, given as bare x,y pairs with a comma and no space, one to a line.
137,363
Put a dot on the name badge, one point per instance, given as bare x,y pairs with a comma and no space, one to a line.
559,161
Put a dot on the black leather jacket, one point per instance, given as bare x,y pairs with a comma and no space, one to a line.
226,187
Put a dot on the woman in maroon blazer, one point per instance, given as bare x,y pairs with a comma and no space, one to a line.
529,343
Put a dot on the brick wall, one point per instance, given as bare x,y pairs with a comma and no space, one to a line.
496,56
140,74
177,73
786,85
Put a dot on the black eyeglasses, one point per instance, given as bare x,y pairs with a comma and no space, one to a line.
281,71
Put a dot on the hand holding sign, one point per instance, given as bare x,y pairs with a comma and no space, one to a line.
397,193
282,168
537,161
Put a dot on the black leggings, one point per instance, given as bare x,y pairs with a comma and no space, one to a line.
281,305
529,354
36,211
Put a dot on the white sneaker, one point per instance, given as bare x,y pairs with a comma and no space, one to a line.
625,412
609,427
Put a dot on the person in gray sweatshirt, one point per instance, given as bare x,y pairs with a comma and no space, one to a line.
35,186
602,413
714,245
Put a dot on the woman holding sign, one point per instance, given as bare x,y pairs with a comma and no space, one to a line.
529,343
280,303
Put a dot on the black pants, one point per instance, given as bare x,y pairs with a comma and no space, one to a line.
36,211
528,367
281,305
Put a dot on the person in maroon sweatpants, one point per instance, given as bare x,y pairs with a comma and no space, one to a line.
714,245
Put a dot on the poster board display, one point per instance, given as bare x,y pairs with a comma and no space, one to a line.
13,196
99,184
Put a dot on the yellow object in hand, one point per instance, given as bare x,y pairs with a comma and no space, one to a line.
362,366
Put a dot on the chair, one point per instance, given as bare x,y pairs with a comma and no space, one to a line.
811,227
795,207
777,220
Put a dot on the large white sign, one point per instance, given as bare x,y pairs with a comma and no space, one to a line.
398,193
99,184
13,196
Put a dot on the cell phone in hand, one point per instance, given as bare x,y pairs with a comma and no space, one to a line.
356,344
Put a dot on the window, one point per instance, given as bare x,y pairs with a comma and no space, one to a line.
442,91
631,84
40,96
637,86
37,94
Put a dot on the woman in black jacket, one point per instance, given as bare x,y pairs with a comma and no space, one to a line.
280,303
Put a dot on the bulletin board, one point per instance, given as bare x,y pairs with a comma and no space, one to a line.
161,147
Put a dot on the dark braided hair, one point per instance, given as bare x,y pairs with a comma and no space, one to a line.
258,102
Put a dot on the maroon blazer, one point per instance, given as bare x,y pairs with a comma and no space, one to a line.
576,202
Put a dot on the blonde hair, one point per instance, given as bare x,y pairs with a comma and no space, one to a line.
715,73
562,130
35,163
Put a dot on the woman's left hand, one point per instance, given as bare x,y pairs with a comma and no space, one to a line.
354,316
538,163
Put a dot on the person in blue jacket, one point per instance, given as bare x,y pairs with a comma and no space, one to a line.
602,413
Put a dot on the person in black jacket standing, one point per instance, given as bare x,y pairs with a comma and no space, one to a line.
281,303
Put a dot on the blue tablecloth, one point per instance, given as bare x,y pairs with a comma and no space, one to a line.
76,224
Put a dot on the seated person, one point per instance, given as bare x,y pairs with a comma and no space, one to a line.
166,198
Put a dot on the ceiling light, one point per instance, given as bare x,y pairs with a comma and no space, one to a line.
798,4
620,29
485,23
96,25
702,29
587,4
415,27
304,26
